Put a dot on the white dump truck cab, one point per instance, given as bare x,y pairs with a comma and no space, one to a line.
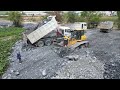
84,25
65,30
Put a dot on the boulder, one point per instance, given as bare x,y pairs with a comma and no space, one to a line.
17,73
44,73
73,57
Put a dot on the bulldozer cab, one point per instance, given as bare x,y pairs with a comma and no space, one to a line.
76,36
79,34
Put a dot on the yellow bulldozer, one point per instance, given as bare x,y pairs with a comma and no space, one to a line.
74,37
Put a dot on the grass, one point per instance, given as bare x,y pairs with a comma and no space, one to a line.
8,36
109,18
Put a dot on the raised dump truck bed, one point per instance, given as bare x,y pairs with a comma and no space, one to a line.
40,32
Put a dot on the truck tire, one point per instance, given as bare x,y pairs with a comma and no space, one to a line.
40,43
48,42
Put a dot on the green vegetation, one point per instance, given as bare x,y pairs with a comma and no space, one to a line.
70,17
16,17
86,16
89,17
8,36
109,18
3,12
118,14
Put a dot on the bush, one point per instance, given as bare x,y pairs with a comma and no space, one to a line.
16,17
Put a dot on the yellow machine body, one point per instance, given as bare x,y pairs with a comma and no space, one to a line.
72,40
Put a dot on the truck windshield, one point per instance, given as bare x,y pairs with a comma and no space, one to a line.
67,30
62,31
82,32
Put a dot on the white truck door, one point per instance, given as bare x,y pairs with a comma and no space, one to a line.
67,33
82,26
85,26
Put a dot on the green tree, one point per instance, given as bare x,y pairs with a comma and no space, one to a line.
71,17
15,17
118,14
78,18
65,17
91,16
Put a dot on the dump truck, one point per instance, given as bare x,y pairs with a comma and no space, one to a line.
63,37
48,31
43,34
105,26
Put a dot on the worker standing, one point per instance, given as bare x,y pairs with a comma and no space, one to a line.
19,57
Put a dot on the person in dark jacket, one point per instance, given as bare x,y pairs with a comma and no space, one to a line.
19,57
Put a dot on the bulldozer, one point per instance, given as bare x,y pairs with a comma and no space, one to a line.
74,37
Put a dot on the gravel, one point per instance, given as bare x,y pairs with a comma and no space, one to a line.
86,67
5,24
102,59
34,62
29,26
106,48
99,61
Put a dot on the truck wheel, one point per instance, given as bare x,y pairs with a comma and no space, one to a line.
40,44
48,42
